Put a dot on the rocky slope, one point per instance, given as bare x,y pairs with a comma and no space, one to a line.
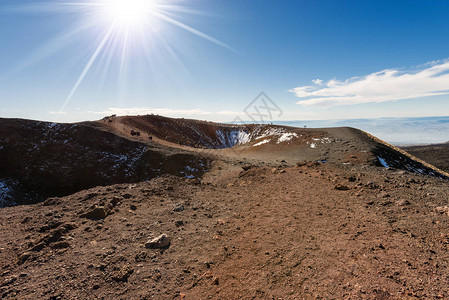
49,159
436,154
339,145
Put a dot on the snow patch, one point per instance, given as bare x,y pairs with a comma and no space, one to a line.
262,142
285,137
383,162
232,138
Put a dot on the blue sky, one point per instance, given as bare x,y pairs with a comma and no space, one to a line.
315,59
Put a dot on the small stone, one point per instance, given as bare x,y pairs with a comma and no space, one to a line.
97,213
115,200
24,257
352,178
123,274
133,207
301,163
160,242
215,281
60,245
178,207
246,167
179,223
342,187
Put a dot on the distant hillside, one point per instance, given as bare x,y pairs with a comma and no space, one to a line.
435,154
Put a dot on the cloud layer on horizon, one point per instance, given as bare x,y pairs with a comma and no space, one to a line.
383,86
163,111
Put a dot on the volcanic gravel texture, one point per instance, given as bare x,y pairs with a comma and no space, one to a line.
262,224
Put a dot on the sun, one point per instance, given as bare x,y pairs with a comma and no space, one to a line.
129,12
123,28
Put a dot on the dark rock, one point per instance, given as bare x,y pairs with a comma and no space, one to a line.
97,213
246,167
60,245
341,187
24,257
133,207
115,200
38,247
215,281
301,163
179,223
352,178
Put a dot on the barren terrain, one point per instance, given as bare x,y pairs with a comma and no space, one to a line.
310,213
436,154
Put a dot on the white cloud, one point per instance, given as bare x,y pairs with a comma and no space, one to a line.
383,86
317,81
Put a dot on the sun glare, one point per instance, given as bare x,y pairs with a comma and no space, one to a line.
129,12
127,27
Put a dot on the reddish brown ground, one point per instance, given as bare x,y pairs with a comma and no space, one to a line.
256,226
283,233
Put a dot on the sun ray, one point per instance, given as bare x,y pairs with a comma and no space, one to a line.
192,30
87,67
125,46
130,26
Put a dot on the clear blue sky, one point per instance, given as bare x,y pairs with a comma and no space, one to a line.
278,47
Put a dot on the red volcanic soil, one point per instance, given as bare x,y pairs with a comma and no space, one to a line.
264,222
298,232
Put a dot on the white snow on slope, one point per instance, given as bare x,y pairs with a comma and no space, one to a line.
233,138
317,141
262,142
285,137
